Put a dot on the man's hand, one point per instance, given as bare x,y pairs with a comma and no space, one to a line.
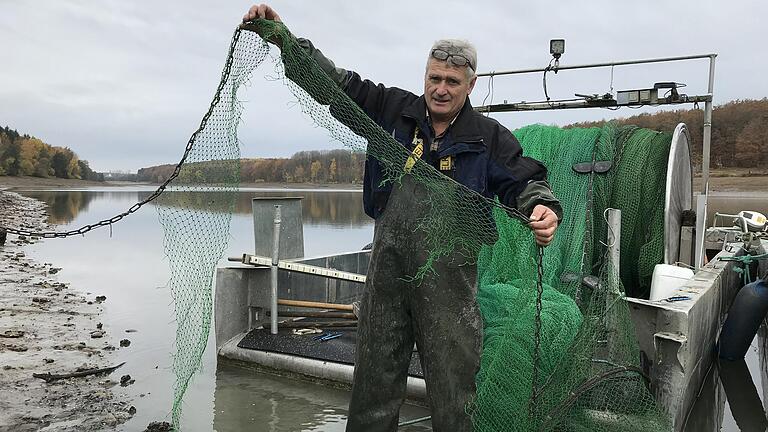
261,11
543,223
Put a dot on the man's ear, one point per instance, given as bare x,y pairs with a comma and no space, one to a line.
472,84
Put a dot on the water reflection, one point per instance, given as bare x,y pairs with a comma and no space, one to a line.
128,267
762,343
63,207
335,208
278,404
729,399
273,403
743,399
127,264
339,209
709,410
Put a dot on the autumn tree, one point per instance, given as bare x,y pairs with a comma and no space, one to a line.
750,145
60,164
314,171
729,121
299,175
332,171
25,155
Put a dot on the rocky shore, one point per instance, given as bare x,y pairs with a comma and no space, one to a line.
51,330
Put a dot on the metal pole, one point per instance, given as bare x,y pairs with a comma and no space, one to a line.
611,297
701,208
597,65
580,104
275,261
614,239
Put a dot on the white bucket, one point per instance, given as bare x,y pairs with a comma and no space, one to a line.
666,279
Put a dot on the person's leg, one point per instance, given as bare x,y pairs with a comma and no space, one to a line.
384,334
448,331
446,318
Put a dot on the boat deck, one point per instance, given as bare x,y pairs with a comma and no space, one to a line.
676,339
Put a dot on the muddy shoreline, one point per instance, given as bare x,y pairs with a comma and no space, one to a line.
49,327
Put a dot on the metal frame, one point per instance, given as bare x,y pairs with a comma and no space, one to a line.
301,268
701,210
273,270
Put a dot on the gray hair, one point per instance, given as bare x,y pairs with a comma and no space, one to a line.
457,47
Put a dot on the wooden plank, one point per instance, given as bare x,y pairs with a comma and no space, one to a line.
316,305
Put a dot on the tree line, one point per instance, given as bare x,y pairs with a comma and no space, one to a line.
25,155
318,166
739,131
739,139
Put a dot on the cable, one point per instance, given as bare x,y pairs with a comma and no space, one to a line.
611,87
544,81
490,93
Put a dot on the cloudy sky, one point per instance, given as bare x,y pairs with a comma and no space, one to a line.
124,83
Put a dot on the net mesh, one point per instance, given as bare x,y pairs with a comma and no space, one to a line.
589,377
584,374
195,213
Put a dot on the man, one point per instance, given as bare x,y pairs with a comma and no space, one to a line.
440,312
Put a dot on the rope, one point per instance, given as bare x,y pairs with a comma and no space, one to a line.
746,261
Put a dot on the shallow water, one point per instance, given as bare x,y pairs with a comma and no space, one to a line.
127,264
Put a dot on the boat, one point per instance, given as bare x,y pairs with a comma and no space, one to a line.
677,334
676,331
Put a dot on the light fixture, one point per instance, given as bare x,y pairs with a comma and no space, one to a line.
557,47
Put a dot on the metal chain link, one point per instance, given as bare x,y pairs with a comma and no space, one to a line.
537,331
114,219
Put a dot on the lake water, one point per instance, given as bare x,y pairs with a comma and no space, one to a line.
128,265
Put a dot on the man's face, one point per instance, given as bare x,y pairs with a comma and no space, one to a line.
446,87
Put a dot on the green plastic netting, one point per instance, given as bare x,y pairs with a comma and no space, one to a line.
586,368
589,377
195,212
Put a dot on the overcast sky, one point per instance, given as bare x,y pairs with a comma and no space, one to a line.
124,83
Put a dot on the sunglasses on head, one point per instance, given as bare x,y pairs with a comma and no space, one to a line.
455,59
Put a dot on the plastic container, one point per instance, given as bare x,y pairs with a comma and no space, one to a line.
666,279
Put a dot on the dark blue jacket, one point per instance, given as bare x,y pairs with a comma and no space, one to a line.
488,158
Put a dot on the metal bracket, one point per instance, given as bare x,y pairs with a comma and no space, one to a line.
598,167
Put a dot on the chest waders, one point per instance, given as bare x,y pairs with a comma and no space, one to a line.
439,313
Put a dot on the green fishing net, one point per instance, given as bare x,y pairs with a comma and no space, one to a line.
195,212
582,374
588,376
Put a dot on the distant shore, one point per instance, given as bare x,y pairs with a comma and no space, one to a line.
720,180
7,182
10,182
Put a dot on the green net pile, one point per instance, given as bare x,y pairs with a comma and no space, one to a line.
588,376
584,375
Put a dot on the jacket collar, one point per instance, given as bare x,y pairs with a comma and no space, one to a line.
465,127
